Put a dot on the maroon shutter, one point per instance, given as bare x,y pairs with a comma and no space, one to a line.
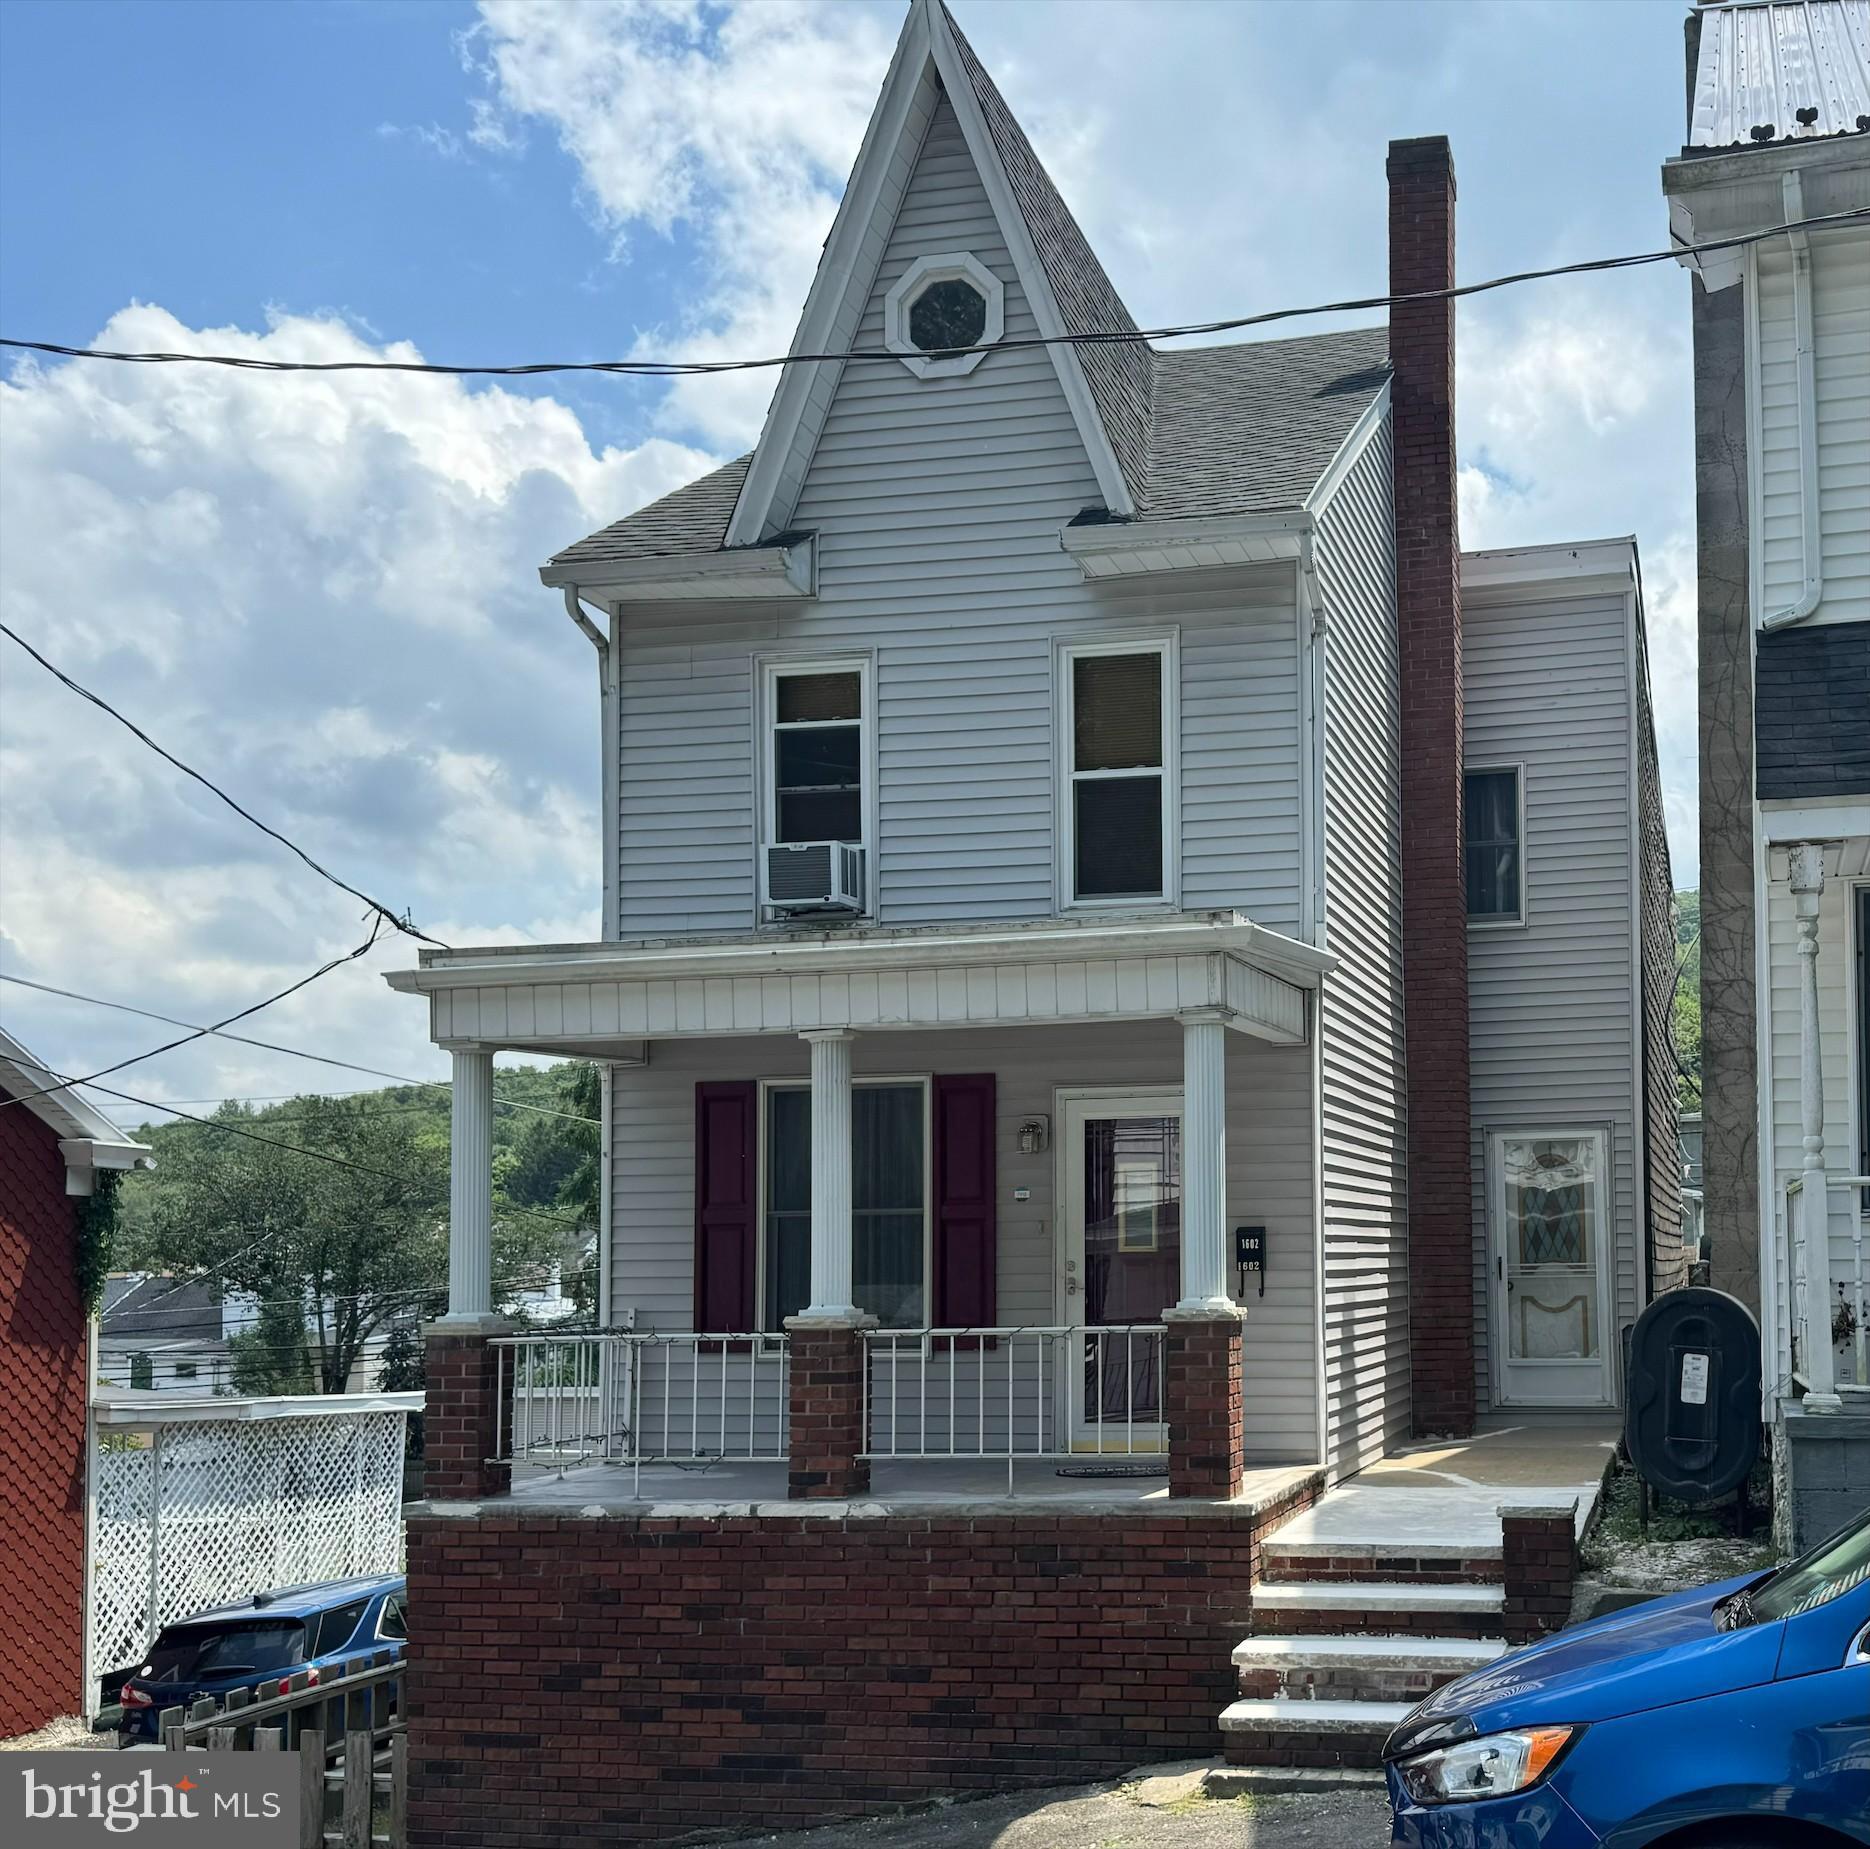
726,1214
965,1242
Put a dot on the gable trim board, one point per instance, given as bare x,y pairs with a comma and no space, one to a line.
847,273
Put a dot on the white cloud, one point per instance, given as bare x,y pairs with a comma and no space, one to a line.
737,125
321,591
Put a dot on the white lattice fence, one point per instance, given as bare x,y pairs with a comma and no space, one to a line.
238,1506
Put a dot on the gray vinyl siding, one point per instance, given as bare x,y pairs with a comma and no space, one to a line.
1551,1011
938,506
1363,1178
1269,1144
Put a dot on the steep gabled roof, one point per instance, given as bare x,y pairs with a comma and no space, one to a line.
692,519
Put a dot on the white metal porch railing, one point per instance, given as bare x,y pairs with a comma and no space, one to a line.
1813,1360
616,1398
1010,1393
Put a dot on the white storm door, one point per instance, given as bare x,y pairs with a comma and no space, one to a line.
1550,1204
1122,1189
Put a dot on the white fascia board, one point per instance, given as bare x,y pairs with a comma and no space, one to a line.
838,276
130,1408
1735,194
783,571
844,952
1032,276
1376,413
84,1156
1585,566
1134,548
1821,818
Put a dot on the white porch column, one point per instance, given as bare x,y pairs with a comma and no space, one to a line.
831,1174
1808,885
1204,1161
470,1191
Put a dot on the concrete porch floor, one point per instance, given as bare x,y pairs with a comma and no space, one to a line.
895,1487
1443,1498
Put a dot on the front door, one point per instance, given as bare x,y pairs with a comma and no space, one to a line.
1122,1255
1550,1270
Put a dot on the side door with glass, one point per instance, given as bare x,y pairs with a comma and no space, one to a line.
1549,1268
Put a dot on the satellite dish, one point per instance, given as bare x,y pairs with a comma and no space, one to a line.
1692,1420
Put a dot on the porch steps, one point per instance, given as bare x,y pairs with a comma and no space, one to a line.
1445,1656
1380,1607
1285,1732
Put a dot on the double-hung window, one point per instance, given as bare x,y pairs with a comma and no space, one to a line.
1493,821
815,757
889,1201
1117,796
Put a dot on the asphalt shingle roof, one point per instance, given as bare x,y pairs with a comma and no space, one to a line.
163,1306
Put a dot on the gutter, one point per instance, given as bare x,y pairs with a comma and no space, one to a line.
576,611
1807,390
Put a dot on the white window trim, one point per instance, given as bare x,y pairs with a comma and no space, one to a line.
1167,644
1524,918
950,266
769,669
767,1087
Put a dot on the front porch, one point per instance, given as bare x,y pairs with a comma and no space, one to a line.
1056,1143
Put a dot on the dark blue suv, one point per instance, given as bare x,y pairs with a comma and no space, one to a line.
261,1643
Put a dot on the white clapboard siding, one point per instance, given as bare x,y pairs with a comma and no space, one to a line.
1840,280
1552,1031
1834,1001
1363,1128
1269,1136
938,505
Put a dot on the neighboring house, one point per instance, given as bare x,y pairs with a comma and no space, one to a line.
1694,1230
163,1334
1779,131
1033,809
52,1147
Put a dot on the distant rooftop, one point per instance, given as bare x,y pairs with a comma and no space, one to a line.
1773,71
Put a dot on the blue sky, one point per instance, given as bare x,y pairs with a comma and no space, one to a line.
325,591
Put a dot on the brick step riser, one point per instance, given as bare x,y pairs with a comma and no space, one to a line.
1317,1749
1400,1569
1343,1683
1288,1623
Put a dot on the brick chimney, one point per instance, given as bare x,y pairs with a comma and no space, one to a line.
1428,601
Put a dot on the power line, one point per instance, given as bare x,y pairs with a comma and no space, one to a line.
401,924
274,1046
169,1046
675,369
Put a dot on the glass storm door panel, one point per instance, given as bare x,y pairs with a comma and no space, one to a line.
1551,1200
1123,1259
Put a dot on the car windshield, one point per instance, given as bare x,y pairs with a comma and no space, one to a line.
1831,1569
204,1652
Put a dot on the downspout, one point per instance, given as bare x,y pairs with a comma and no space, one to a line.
1807,390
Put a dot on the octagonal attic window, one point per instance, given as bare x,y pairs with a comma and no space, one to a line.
947,315
939,305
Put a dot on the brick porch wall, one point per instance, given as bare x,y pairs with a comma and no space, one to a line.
1539,1569
42,1386
577,1679
461,1419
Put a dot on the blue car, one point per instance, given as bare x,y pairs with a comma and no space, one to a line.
1735,1717
261,1644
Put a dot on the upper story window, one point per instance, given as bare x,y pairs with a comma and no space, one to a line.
1494,822
1118,797
817,757
939,304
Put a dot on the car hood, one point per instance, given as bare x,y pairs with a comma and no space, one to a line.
1648,1656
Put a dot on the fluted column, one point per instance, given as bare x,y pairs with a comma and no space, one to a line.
831,1175
1204,1162
470,1190
1818,1366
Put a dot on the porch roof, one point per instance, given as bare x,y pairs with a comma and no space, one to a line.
605,999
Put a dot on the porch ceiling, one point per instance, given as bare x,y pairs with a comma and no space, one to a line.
608,999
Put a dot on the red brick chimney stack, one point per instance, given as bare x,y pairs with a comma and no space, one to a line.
1428,597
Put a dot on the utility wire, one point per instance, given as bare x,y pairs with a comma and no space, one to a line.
389,917
673,369
169,1046
274,1046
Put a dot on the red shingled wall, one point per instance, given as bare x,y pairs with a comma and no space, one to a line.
42,1387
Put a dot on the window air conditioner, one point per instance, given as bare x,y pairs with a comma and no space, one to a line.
815,876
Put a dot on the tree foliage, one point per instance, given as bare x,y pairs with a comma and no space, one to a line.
1688,999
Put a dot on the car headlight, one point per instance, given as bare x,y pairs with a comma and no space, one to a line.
1494,1766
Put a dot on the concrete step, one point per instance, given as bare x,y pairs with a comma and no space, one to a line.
1350,1560
1317,1734
1287,1781
1377,1607
1453,1656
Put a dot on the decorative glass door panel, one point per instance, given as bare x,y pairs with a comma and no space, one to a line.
1550,1276
1123,1260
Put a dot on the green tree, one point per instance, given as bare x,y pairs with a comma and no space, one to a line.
1688,999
